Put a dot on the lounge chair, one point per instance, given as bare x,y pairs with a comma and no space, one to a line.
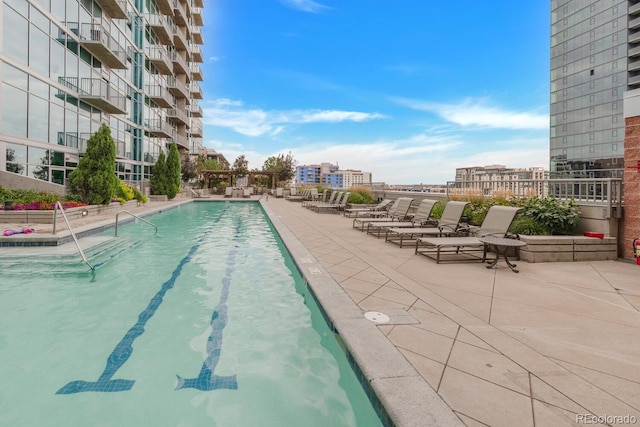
399,211
311,204
421,218
197,194
449,223
279,192
335,207
383,205
496,223
305,194
228,192
247,191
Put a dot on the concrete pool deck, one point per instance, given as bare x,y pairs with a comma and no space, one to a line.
554,345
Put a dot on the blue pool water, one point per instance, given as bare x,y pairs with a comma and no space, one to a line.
206,324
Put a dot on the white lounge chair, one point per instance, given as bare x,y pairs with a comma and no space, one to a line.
383,205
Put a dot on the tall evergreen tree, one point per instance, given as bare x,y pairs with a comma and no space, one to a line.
158,175
94,179
173,171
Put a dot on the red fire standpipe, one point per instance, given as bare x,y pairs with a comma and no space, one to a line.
636,250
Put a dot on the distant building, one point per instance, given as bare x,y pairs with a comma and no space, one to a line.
494,179
211,154
331,176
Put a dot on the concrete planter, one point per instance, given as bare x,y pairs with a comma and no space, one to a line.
568,249
46,217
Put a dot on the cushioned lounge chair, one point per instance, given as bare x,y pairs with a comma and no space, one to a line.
496,223
449,223
335,195
399,211
421,218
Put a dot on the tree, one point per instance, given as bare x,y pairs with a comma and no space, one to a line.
188,169
13,167
173,171
283,165
158,175
94,180
240,167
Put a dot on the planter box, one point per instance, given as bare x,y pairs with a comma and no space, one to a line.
158,198
568,248
46,217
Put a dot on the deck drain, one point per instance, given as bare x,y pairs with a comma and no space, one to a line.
376,317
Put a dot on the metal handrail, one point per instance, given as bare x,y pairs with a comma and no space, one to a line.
135,216
55,216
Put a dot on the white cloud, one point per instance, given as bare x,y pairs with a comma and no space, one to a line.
257,122
305,5
474,113
417,159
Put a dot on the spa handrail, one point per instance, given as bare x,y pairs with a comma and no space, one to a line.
135,216
57,206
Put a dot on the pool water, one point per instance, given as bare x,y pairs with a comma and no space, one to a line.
204,324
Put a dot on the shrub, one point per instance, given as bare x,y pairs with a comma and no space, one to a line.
527,226
556,216
361,195
173,171
158,175
124,192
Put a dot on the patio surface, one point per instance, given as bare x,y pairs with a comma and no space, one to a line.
467,345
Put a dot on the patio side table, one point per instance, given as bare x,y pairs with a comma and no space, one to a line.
501,246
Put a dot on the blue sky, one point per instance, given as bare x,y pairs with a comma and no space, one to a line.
406,89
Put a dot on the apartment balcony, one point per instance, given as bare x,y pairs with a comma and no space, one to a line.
196,72
196,128
165,6
98,93
160,95
187,7
161,27
178,116
103,46
179,63
197,35
114,8
177,88
634,65
634,24
196,53
179,39
160,59
633,81
633,37
195,110
198,3
196,91
74,140
159,127
634,51
634,10
181,140
179,14
196,14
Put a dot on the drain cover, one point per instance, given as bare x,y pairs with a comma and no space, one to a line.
376,317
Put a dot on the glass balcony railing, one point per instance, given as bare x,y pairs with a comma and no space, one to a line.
102,45
98,93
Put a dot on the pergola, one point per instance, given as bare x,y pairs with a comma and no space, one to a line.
208,174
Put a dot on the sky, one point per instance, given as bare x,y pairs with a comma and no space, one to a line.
408,90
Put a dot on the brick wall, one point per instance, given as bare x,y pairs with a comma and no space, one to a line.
631,184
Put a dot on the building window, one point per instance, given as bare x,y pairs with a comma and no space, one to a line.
592,123
614,132
614,147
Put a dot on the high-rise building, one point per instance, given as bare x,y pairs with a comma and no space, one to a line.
331,176
67,66
595,58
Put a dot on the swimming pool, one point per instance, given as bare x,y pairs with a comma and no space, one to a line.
204,324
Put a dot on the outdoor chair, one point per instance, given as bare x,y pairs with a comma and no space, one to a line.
335,207
449,223
421,218
382,206
228,192
496,223
311,204
399,211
